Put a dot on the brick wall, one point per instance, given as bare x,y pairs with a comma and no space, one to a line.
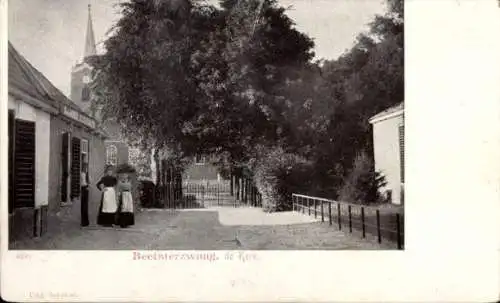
96,160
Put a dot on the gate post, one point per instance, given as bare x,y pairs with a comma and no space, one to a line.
243,190
237,183
231,185
246,190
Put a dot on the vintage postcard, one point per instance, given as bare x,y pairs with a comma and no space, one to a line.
248,150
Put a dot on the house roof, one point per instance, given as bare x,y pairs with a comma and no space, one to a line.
388,113
23,82
24,76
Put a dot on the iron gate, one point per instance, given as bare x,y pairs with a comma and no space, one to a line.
192,195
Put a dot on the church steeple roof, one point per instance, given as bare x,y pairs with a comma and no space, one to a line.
90,49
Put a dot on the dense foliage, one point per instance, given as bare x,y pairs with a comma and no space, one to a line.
238,82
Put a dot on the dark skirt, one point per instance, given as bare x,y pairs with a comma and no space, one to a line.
124,218
84,206
103,218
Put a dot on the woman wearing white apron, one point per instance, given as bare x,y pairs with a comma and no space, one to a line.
126,202
108,207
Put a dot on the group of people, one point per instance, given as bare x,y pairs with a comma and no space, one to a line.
117,205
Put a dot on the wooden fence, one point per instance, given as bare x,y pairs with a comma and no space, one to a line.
387,225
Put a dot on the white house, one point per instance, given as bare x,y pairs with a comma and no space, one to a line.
388,145
44,164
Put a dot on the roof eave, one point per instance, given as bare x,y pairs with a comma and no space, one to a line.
377,118
35,102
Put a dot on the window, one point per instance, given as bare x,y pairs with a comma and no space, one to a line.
84,150
402,152
86,93
111,155
199,159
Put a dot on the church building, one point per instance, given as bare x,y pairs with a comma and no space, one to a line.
117,149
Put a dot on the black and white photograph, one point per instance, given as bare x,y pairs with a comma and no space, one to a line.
249,150
206,125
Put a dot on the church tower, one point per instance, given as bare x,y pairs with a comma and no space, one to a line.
81,72
117,149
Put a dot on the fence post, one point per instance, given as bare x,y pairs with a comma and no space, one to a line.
379,235
256,196
162,195
202,194
250,187
172,192
167,193
237,185
338,212
363,220
322,213
252,193
293,202
243,190
231,189
330,212
398,230
309,205
247,188
167,197
350,219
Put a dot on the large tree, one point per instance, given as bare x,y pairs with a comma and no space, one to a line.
208,80
238,81
364,81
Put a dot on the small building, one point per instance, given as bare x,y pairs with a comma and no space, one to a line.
388,145
49,138
201,170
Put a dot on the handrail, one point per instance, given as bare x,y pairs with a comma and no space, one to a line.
316,198
310,205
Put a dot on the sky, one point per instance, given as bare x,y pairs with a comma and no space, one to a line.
51,33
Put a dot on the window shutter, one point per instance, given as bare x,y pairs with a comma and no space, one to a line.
24,163
402,152
75,167
65,166
11,159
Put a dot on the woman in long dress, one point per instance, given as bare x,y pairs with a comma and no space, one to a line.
108,207
126,202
